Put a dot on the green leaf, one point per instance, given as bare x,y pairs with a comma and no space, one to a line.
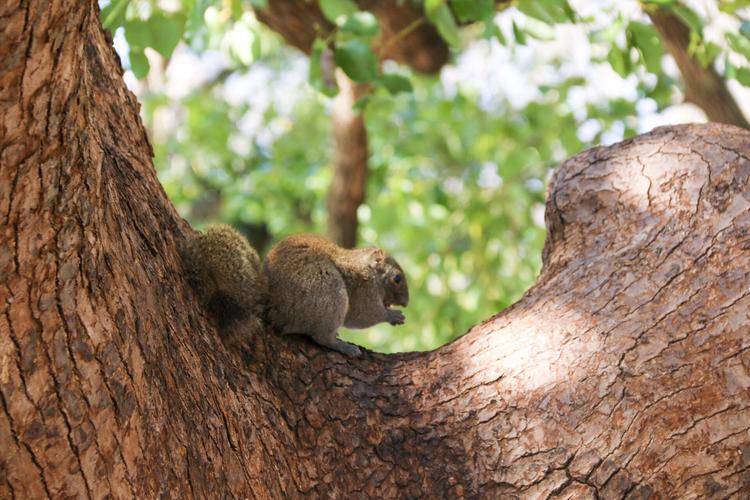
361,104
745,29
439,14
662,92
730,72
113,15
357,60
321,75
519,35
548,11
659,3
497,32
473,10
166,33
619,62
257,48
395,83
705,52
333,9
160,32
138,63
645,39
138,34
195,26
235,8
742,75
361,24
689,17
539,30
739,44
732,6
620,108
259,4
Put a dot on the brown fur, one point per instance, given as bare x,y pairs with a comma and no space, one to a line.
315,287
225,272
311,286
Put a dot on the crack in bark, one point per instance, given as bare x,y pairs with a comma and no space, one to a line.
75,370
640,413
719,145
741,351
728,436
650,182
662,287
736,473
699,420
63,413
100,369
27,57
18,442
703,474
640,336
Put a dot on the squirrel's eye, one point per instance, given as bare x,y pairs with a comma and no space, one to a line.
397,278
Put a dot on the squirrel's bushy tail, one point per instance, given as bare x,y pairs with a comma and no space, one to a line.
226,274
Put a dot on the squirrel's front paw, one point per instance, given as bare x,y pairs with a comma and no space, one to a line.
395,317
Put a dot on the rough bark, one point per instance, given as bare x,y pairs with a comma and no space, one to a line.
622,372
703,85
299,22
349,177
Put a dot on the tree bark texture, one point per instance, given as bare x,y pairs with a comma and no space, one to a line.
703,86
623,372
299,22
349,178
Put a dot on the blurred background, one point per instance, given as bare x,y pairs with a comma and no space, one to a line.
426,128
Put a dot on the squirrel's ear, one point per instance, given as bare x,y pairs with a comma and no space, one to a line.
377,256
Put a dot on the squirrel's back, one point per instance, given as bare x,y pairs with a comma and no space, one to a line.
306,288
225,272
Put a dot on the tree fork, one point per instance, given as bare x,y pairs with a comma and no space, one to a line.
622,372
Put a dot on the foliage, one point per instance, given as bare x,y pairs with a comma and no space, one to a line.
456,188
354,41
464,207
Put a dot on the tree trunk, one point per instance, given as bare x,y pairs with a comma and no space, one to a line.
703,86
622,372
349,179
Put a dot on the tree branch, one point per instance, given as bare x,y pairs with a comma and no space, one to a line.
299,22
703,86
349,179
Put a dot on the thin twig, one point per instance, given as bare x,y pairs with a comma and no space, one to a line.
400,35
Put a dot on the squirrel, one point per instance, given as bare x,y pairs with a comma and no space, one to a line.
226,274
306,284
